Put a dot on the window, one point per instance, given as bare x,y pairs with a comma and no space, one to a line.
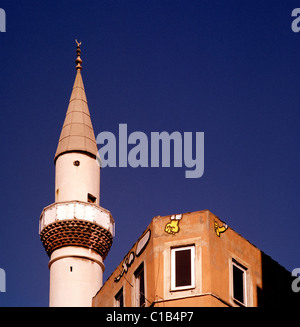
119,300
140,286
183,268
239,283
91,198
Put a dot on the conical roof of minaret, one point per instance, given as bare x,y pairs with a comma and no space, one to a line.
77,134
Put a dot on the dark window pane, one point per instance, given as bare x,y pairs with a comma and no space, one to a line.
91,198
121,304
140,282
119,298
142,289
183,268
238,284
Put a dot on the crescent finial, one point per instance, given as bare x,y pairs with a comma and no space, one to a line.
78,60
78,43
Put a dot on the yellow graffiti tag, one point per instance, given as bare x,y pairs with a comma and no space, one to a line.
220,229
173,226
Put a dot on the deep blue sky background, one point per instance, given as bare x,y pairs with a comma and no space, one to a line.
229,69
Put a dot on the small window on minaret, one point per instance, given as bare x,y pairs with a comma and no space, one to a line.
91,198
71,268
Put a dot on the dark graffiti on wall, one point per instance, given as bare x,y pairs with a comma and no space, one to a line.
129,259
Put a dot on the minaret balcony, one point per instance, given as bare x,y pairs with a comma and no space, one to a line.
77,210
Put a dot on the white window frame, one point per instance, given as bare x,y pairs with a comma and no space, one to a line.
244,270
173,268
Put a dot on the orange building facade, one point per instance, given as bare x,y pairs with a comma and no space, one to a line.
195,260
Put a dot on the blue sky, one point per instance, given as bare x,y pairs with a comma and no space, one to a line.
229,69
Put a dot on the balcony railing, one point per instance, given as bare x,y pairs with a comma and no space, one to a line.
77,210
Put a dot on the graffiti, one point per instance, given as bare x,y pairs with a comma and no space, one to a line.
220,229
142,243
173,226
126,264
129,259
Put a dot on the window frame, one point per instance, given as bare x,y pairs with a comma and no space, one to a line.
91,198
118,297
173,267
244,269
137,274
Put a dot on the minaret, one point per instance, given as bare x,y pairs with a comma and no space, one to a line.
76,232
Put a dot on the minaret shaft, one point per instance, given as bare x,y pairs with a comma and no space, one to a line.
75,276
77,177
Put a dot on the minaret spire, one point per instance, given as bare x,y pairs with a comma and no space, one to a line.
77,134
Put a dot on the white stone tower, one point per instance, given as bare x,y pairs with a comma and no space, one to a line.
76,232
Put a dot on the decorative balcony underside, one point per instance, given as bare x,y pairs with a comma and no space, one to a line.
76,233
